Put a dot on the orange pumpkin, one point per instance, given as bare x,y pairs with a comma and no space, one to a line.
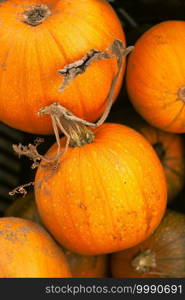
81,266
27,250
156,76
161,255
37,39
170,150
104,196
87,266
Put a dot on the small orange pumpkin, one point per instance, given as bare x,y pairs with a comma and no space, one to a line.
104,196
161,255
170,150
81,266
27,250
156,76
37,39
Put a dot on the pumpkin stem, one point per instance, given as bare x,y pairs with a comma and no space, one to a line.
74,128
36,14
144,261
181,93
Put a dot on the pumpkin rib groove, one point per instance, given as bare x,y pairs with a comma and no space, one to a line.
169,243
25,88
39,68
86,214
10,48
70,211
92,170
95,28
106,155
59,46
92,174
176,117
114,155
101,188
170,258
13,43
144,202
177,55
80,98
173,171
27,64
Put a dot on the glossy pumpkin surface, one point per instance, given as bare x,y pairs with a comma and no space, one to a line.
164,251
156,76
104,196
27,250
30,57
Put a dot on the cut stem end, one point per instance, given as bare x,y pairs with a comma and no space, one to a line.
36,14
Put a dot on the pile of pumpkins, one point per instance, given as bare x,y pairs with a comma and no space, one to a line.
103,211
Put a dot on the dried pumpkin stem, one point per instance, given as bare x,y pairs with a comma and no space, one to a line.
74,128
144,261
21,189
36,14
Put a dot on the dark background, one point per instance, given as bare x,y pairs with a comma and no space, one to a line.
136,16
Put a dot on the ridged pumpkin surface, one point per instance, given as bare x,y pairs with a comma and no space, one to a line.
170,149
30,57
156,76
27,250
104,196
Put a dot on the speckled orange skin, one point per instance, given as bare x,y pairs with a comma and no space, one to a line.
30,57
27,250
173,161
87,266
81,266
105,196
156,72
